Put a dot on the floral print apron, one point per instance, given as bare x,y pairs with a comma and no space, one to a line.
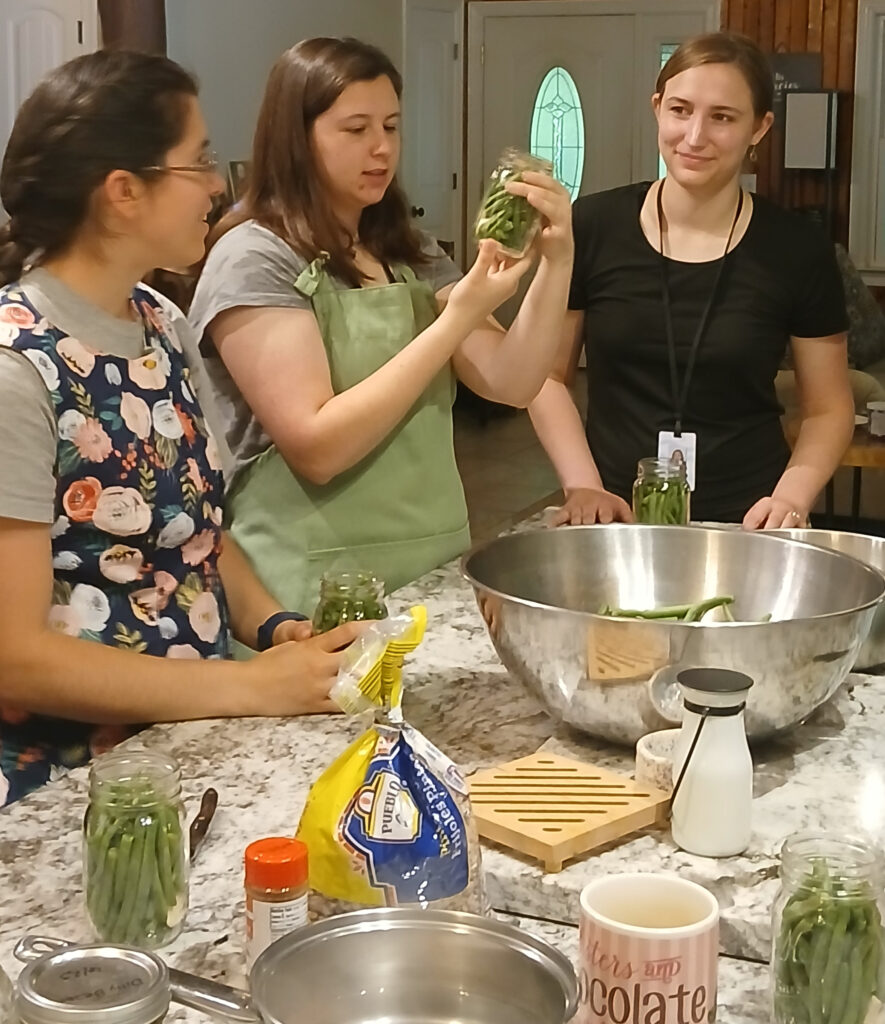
138,515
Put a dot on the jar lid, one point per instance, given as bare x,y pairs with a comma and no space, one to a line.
94,984
714,680
276,863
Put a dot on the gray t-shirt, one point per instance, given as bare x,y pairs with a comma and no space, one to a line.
28,426
251,266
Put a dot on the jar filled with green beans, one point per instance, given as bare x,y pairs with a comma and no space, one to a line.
348,597
510,220
661,495
135,862
827,936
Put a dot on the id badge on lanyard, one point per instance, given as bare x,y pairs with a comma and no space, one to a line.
686,444
678,440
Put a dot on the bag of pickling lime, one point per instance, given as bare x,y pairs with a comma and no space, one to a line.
389,821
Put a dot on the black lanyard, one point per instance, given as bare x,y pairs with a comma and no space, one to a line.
681,397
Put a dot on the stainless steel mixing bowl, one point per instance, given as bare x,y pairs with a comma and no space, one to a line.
867,549
539,593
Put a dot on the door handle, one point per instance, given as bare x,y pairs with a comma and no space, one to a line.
417,211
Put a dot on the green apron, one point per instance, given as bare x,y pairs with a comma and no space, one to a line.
398,512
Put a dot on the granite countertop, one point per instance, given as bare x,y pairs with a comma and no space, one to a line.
826,774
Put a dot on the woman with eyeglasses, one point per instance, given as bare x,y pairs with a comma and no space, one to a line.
334,331
121,592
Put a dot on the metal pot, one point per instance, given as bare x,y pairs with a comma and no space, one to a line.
399,965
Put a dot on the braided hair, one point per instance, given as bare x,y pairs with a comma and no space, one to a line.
105,111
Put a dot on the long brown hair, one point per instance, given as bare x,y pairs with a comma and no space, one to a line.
724,48
284,192
105,111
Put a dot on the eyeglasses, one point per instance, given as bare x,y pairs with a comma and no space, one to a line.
208,165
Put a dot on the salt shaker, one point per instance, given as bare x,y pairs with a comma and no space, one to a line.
712,767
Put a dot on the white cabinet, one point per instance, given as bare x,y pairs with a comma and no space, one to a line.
866,234
36,36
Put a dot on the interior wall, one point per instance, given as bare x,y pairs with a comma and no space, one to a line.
827,27
231,44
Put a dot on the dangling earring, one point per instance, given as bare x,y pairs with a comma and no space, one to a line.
752,155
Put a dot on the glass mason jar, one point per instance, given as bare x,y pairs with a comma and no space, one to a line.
135,855
661,494
95,984
510,220
348,597
827,937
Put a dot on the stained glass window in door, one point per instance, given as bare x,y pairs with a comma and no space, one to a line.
666,52
557,131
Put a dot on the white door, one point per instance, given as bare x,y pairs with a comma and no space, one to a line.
432,91
36,36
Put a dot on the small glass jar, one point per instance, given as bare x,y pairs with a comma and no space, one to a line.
510,220
661,495
827,936
348,597
135,856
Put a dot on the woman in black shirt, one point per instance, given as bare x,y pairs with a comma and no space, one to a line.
647,248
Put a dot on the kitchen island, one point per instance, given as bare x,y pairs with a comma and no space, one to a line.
828,773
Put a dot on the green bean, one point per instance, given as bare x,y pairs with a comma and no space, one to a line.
835,958
856,1000
828,951
684,612
105,895
871,964
172,825
505,218
819,949
136,924
121,875
661,502
165,867
346,606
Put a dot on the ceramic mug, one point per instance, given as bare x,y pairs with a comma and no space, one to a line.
649,945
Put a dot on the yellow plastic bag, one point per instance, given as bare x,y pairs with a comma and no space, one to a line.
388,822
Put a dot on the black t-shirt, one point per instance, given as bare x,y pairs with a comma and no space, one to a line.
781,279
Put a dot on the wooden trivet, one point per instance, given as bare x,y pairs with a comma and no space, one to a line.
554,808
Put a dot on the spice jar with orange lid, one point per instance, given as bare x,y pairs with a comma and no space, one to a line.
276,891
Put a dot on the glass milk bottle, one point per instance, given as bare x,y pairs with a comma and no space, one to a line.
712,767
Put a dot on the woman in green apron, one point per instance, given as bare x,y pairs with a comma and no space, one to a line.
333,332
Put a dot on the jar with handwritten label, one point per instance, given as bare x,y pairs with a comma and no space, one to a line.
93,984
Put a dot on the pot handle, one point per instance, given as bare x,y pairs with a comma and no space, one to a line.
213,998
